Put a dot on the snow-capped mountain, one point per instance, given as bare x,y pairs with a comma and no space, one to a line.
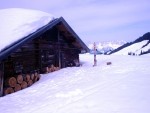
138,47
105,47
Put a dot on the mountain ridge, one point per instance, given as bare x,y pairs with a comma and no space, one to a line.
146,36
105,47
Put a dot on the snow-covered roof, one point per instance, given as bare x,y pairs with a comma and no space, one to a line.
16,23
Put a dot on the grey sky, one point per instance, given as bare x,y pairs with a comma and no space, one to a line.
95,20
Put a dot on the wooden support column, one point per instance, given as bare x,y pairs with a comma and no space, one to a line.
59,54
1,78
95,52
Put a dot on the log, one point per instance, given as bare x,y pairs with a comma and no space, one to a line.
8,90
32,76
108,63
19,79
49,69
11,82
35,73
30,82
27,77
37,77
46,70
57,68
17,87
23,85
52,68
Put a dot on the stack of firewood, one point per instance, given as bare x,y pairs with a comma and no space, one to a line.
52,68
19,82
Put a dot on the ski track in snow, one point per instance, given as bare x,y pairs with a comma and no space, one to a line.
122,87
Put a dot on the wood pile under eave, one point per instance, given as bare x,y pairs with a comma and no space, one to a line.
50,69
19,82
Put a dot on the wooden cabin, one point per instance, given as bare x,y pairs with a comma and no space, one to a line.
48,49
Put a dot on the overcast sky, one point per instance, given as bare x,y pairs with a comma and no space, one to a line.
95,20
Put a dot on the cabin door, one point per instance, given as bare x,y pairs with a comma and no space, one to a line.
62,58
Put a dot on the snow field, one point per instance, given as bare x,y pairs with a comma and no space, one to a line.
122,87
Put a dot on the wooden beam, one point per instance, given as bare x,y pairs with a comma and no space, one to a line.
1,78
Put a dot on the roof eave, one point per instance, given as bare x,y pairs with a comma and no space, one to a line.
5,52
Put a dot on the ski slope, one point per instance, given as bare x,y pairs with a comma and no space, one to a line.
134,48
123,87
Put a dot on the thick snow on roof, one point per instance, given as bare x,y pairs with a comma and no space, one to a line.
16,23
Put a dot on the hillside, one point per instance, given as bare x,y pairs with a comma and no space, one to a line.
138,47
122,87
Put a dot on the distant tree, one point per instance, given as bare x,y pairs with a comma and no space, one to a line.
141,52
129,53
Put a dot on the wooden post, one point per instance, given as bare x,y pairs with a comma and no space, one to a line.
95,61
59,53
1,78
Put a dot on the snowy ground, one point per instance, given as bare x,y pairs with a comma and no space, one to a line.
123,87
136,48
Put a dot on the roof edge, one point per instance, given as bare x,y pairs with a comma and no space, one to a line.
5,52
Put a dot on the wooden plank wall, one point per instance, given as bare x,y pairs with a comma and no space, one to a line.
38,54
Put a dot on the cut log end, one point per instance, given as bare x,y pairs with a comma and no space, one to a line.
32,77
11,82
19,79
27,77
17,87
23,85
8,90
37,77
50,69
30,82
